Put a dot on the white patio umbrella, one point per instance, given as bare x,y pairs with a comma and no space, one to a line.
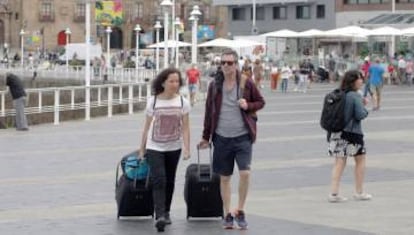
408,31
311,33
170,44
218,42
239,43
348,31
385,31
284,33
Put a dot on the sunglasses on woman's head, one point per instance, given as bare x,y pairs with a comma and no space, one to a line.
229,63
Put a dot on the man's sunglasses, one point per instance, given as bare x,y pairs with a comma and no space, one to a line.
229,63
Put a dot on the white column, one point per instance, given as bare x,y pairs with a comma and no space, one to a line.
67,32
87,59
173,29
177,23
22,48
254,17
157,27
137,30
194,42
392,51
195,13
166,39
108,46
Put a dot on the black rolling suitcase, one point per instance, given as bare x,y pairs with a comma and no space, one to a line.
133,197
202,190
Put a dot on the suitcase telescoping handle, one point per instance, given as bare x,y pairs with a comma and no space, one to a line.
210,156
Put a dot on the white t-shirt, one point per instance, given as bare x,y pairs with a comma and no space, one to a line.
165,132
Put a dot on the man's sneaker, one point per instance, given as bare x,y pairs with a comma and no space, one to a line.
241,219
160,224
362,196
228,222
167,218
336,198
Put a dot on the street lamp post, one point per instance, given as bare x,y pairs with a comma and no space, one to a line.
166,4
67,32
22,48
392,51
195,13
137,29
157,27
87,60
177,23
108,46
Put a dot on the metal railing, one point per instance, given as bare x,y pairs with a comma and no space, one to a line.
127,75
103,96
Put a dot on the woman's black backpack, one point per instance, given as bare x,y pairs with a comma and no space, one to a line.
333,111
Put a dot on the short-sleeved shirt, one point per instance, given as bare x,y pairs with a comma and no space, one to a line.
193,75
375,74
165,132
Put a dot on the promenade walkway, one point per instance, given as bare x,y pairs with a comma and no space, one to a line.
59,179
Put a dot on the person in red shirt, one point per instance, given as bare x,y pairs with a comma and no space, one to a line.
193,81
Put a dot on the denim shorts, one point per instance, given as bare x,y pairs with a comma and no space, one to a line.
192,88
230,150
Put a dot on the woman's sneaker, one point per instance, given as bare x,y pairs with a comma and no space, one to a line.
362,196
334,198
241,219
160,224
228,222
167,218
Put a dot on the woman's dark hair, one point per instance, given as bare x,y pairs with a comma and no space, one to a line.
349,80
157,83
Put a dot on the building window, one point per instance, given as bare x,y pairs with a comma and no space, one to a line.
238,13
302,12
279,13
260,13
405,1
46,11
138,11
369,1
80,11
320,11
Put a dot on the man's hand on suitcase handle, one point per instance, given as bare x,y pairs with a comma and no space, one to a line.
203,144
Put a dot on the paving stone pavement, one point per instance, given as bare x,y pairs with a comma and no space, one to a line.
60,179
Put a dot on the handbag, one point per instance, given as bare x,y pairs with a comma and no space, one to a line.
136,168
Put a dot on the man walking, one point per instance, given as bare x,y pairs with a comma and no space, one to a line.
230,122
193,81
376,82
19,100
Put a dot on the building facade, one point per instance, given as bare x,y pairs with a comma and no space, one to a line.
272,15
45,21
359,12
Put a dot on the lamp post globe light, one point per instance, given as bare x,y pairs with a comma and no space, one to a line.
137,29
177,24
108,31
195,13
166,4
22,47
157,28
67,33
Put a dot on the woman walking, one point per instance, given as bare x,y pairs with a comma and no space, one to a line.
166,131
350,142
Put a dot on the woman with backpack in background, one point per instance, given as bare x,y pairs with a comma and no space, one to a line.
350,141
166,131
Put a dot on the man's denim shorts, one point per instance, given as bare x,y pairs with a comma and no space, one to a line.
230,150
